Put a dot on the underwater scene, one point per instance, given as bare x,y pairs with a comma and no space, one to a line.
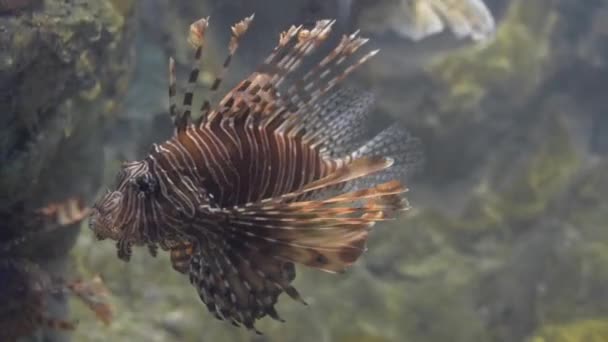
304,170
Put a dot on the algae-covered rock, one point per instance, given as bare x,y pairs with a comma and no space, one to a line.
512,63
64,66
556,272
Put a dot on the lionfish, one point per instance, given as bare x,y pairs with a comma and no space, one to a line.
25,286
279,172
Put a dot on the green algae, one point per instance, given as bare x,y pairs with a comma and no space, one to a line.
123,7
513,62
69,55
542,176
553,163
589,206
592,330
362,338
583,274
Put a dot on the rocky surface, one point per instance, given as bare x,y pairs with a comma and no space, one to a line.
64,67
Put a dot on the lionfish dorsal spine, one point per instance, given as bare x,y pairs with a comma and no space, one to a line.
238,30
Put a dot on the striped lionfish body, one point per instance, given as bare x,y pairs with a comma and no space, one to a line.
279,172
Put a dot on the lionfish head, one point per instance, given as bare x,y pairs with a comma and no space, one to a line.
122,208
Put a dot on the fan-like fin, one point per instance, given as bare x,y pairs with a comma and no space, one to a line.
396,143
341,122
356,169
180,257
258,92
237,283
327,234
338,173
237,31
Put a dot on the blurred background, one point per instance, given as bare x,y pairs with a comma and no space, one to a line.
507,239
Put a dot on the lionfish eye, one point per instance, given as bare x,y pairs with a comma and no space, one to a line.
144,183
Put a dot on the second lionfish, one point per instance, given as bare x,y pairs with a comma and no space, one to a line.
281,171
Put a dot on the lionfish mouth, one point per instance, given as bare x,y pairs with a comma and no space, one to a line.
101,220
94,224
